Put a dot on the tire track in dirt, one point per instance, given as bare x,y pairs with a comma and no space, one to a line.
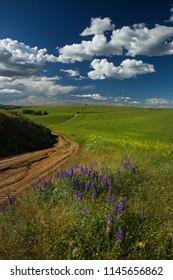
18,171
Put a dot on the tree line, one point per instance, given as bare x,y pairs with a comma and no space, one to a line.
33,112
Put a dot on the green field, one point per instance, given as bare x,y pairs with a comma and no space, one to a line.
111,201
107,121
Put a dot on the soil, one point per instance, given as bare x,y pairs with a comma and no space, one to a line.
17,172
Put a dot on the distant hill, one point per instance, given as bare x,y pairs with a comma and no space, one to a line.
19,135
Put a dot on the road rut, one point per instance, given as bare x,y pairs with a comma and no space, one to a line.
18,171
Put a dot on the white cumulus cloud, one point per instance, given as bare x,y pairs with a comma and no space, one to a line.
133,40
127,69
95,96
98,26
18,59
157,101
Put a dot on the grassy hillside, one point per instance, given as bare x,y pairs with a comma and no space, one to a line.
19,135
107,121
112,201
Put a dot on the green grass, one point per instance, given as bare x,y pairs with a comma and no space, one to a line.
49,224
138,123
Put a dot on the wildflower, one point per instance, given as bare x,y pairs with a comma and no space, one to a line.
87,186
44,184
83,210
73,183
141,245
75,192
32,184
110,189
94,192
110,219
79,197
10,200
119,234
75,166
108,198
119,208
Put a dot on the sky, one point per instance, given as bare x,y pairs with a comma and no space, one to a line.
76,52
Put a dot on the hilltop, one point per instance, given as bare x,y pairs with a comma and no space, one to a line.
20,135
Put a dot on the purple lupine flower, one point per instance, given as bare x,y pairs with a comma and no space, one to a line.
110,189
119,234
119,208
71,173
32,185
103,181
44,184
90,169
110,219
125,165
79,197
75,166
92,177
87,185
81,170
75,192
10,200
56,175
83,210
85,170
108,198
94,193
116,209
73,183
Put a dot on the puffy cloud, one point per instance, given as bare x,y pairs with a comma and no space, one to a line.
95,96
98,26
129,40
157,101
84,51
127,69
18,59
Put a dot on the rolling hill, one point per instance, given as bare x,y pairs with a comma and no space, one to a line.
19,135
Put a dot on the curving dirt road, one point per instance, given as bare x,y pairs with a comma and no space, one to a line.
18,171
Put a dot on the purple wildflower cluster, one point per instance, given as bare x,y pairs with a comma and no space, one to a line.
95,184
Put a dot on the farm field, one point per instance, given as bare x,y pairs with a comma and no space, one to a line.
113,200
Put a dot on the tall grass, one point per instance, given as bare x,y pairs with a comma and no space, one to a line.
112,201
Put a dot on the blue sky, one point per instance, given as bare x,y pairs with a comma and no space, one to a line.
72,52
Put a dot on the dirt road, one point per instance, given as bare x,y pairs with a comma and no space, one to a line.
18,171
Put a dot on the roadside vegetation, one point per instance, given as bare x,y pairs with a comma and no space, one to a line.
112,201
19,135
